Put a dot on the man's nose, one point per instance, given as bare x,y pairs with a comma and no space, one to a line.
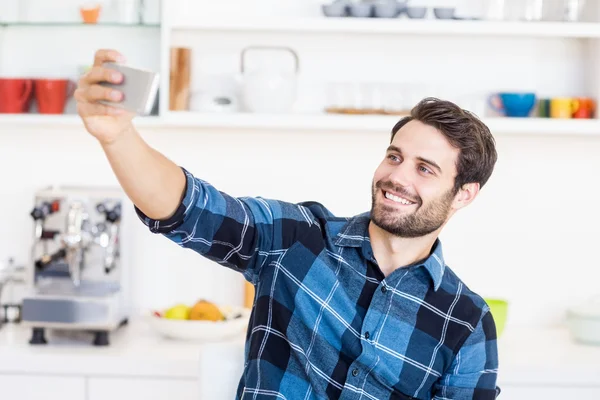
402,175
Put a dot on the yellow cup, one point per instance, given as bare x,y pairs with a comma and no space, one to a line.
563,107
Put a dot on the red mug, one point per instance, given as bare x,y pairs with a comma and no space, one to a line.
52,94
15,95
587,107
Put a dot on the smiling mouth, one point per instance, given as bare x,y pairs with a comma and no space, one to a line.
397,199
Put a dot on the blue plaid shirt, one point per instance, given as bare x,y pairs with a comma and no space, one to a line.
326,323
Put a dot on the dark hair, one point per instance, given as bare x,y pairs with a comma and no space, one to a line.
465,131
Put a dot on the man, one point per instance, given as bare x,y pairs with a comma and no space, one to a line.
345,308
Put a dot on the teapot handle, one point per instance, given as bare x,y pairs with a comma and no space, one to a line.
288,49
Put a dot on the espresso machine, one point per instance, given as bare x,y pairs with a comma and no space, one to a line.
77,280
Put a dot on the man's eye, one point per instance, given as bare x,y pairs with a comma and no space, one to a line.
394,157
423,169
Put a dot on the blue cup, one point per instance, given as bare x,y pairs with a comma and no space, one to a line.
513,104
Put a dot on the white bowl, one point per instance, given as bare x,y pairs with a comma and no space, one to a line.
584,322
190,330
584,330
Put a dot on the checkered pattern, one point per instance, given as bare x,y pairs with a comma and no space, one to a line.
326,323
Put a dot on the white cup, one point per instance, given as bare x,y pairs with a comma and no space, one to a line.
128,11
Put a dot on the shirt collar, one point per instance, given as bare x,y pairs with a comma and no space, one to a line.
356,231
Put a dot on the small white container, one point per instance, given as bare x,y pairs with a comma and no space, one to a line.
495,10
128,12
584,322
574,10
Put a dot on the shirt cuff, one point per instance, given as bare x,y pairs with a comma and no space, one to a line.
167,225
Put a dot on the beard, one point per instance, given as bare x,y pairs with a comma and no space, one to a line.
425,220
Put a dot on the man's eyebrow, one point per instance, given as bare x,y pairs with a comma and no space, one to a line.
432,163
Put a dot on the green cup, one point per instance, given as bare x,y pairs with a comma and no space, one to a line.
544,108
499,310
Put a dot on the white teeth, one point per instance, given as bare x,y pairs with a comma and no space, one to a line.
397,199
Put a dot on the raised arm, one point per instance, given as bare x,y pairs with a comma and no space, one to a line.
153,183
240,233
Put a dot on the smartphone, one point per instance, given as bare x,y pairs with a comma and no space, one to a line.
139,88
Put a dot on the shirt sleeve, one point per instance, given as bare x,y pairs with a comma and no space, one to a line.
473,373
239,233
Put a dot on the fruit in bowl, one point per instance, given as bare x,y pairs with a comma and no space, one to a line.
203,320
206,311
202,310
179,311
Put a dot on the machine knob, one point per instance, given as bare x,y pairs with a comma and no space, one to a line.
101,226
114,215
37,213
111,215
48,259
48,234
44,209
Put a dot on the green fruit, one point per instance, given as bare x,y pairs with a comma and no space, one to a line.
180,311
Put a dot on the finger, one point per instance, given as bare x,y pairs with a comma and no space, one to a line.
91,110
107,55
100,74
92,94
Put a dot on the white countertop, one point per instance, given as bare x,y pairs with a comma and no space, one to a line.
547,357
527,356
134,350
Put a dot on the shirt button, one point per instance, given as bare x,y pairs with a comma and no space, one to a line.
383,289
355,372
367,335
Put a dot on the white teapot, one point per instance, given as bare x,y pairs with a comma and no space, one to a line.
268,89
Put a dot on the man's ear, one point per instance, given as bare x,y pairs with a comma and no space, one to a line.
466,194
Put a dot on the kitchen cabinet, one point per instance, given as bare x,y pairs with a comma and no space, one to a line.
137,365
142,388
549,393
32,387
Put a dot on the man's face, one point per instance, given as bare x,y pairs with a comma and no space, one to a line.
413,188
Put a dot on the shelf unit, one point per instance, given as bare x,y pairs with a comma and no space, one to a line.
62,121
365,123
35,49
318,123
76,24
185,27
183,22
395,26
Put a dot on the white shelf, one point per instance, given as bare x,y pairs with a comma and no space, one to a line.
317,123
396,26
283,122
544,126
58,121
367,123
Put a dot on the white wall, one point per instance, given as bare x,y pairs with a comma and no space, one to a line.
530,236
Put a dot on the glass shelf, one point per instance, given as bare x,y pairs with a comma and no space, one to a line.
75,23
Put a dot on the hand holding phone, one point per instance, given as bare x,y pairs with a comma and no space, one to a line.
139,88
109,97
